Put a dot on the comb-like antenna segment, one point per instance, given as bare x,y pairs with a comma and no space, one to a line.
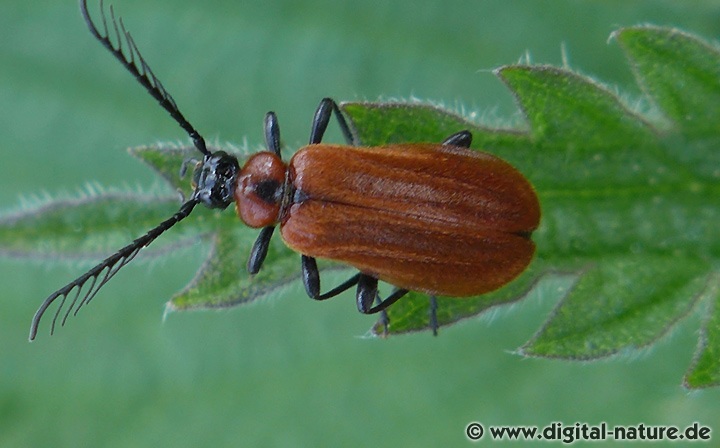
96,277
133,61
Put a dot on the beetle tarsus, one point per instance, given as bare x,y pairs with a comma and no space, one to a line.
433,315
462,139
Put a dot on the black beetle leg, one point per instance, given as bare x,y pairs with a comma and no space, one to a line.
367,292
311,280
433,315
462,139
322,118
272,133
259,250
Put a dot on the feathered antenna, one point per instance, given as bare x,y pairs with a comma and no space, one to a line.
110,266
134,62
83,289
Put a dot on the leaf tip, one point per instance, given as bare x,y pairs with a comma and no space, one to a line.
169,308
613,36
619,35
502,71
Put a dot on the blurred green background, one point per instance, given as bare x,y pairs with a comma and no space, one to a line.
288,371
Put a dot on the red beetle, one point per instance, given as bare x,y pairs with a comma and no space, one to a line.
436,218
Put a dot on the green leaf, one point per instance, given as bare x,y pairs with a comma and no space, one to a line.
597,318
222,280
704,371
629,201
169,162
680,73
85,227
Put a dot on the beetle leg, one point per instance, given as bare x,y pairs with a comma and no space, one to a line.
366,288
462,139
272,133
311,280
367,292
259,250
433,315
310,276
322,118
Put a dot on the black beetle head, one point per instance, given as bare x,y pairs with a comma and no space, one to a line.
214,179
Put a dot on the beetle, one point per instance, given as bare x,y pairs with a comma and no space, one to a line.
440,219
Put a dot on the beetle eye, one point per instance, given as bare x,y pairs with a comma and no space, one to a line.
225,168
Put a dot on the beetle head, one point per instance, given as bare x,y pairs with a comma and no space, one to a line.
214,179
